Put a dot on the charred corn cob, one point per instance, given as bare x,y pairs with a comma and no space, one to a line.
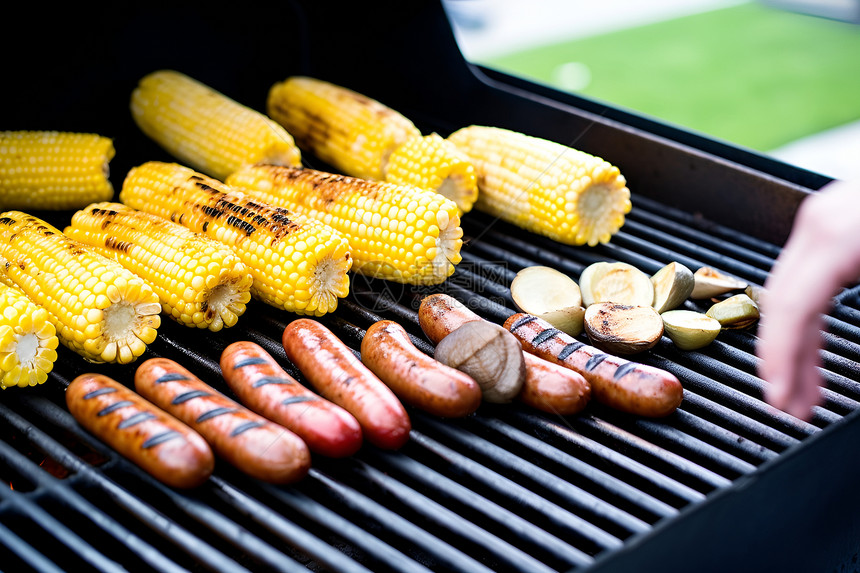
99,309
49,170
28,340
200,282
205,129
297,263
545,187
396,232
362,137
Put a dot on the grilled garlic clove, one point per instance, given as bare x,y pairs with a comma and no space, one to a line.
711,282
623,328
690,330
620,283
754,292
673,284
739,311
551,295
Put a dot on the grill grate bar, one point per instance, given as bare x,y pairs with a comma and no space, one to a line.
668,462
133,504
477,539
52,527
717,436
75,502
698,230
293,534
26,553
609,486
611,460
450,492
508,464
392,524
492,484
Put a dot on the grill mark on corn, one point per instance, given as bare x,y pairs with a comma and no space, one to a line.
99,392
248,362
215,413
115,244
160,439
7,221
114,407
271,380
570,349
595,361
190,395
136,419
242,428
624,369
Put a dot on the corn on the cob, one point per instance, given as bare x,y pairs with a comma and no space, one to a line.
297,263
433,162
205,129
28,340
545,187
53,170
99,309
399,233
364,138
201,283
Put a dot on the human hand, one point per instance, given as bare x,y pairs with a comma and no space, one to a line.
821,256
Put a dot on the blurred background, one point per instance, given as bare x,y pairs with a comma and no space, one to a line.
780,77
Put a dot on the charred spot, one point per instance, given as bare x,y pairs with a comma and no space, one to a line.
244,226
21,265
181,217
212,212
7,221
106,223
205,226
117,245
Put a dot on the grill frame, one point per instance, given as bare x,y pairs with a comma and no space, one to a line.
716,532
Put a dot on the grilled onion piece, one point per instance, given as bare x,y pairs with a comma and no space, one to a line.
690,330
623,328
738,311
710,282
673,284
551,295
620,283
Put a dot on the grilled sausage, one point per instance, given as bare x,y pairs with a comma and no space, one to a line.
336,373
151,438
548,387
263,386
251,443
627,386
415,377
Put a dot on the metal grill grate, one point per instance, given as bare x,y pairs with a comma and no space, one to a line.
509,489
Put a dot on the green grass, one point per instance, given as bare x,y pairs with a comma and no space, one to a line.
752,75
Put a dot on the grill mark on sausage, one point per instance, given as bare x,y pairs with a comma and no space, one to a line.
215,413
114,407
160,439
248,362
241,428
570,349
595,361
624,369
544,336
99,392
170,377
190,395
136,419
298,400
522,322
271,380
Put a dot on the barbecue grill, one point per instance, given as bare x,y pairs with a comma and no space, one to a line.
724,484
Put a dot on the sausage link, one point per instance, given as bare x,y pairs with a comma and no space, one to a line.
618,383
336,373
263,386
415,377
253,444
547,387
151,438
